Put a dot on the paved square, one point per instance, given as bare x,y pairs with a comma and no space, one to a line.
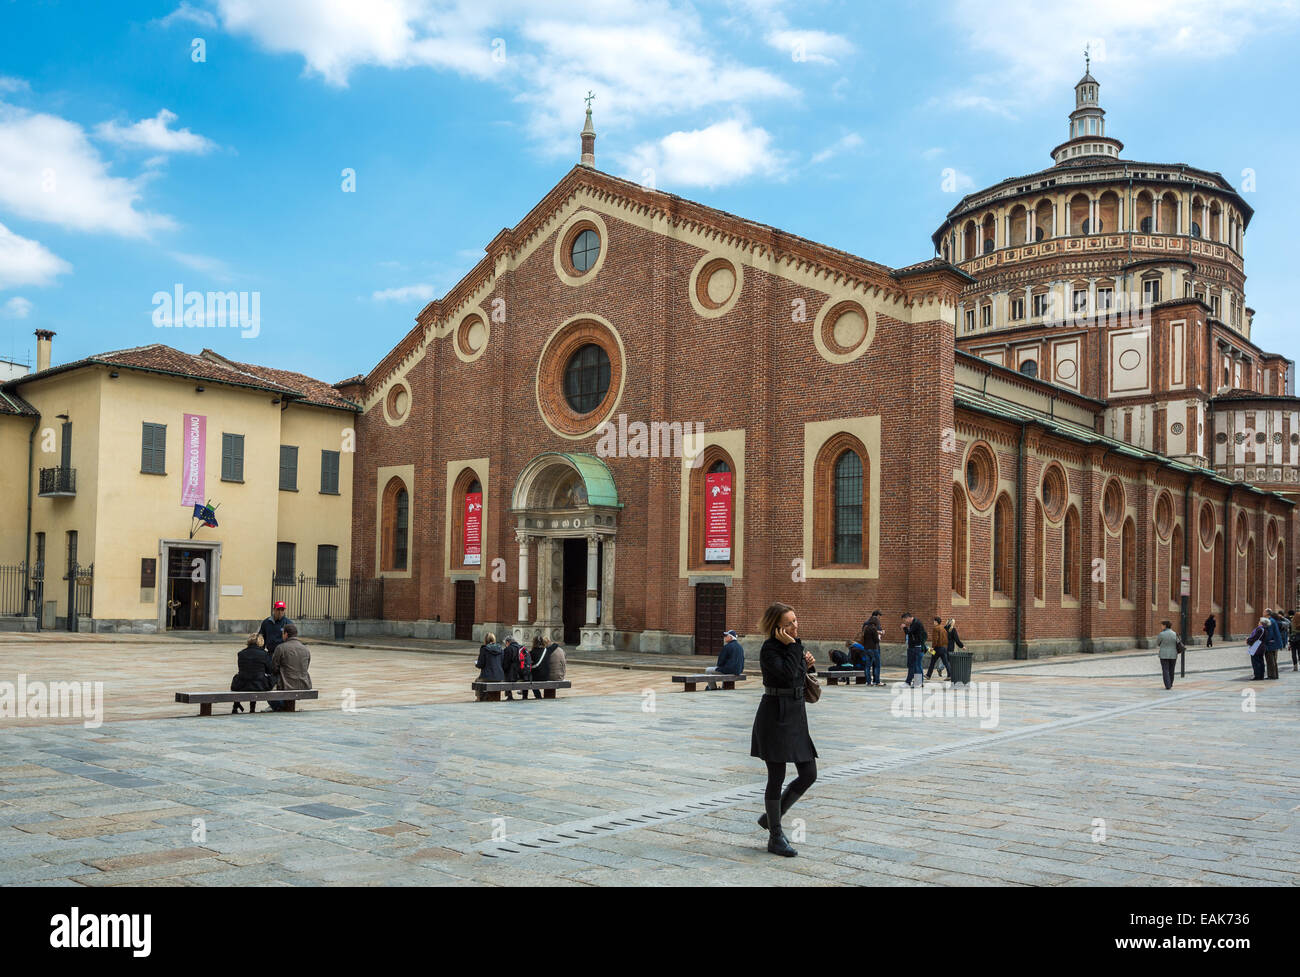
1093,775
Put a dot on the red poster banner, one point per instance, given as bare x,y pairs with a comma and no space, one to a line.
473,531
717,517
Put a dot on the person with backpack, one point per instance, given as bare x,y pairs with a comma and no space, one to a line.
1295,641
870,641
541,664
939,640
510,663
1209,627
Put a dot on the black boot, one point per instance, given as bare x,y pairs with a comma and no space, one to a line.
788,797
236,708
776,841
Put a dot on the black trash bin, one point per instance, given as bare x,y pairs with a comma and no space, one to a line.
960,662
341,628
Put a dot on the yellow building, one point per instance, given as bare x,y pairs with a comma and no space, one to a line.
103,459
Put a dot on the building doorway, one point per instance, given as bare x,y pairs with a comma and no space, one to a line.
574,601
710,618
464,610
189,576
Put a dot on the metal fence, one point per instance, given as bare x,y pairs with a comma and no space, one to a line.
12,579
312,598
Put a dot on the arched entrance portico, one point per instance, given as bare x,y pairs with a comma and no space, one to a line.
566,505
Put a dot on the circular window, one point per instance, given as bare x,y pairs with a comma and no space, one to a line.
981,475
1112,503
1177,428
397,403
1207,525
1164,516
1272,537
584,250
580,248
471,337
1243,528
715,283
1029,368
1220,438
1240,438
580,376
1277,438
1260,438
586,378
1055,492
843,331
1295,439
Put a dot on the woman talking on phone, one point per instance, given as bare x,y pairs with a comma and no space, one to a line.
781,725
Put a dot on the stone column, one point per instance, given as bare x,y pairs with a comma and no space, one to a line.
523,540
593,541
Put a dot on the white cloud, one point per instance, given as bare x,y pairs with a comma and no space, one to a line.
186,13
809,45
846,142
934,152
406,293
27,262
967,101
50,172
16,308
1043,56
154,134
214,267
722,153
9,84
643,58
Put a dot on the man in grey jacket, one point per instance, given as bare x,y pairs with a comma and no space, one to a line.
1167,645
290,663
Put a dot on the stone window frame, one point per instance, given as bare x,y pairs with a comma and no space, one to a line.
828,456
1112,515
986,461
1002,548
567,339
960,544
1054,472
579,221
390,403
460,338
709,456
816,436
393,488
461,472
1071,555
696,286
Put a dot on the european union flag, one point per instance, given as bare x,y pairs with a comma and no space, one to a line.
205,514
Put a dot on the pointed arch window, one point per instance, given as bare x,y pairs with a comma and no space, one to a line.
960,544
1003,547
1071,556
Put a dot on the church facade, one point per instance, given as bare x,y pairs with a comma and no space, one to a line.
638,420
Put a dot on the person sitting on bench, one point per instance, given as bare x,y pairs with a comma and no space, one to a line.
290,663
255,674
541,665
731,660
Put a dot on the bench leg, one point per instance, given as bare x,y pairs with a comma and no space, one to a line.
205,708
548,693
688,687
289,705
728,685
491,696
861,680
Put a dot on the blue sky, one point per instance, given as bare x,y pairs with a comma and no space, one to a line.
129,166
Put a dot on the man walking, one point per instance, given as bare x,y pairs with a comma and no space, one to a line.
914,634
731,660
1167,645
1272,641
1210,626
272,629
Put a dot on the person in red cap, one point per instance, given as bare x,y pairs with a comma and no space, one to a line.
272,629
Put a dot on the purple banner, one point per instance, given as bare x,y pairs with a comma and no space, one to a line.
194,441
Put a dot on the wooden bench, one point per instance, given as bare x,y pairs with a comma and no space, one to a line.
844,674
491,691
691,681
205,699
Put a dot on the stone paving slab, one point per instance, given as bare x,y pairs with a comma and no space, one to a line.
424,785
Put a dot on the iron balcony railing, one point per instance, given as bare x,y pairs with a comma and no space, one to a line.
58,481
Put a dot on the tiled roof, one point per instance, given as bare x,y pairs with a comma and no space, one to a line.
169,361
1238,394
984,403
309,389
12,404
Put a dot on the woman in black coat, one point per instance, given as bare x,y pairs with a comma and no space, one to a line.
255,673
490,663
780,733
